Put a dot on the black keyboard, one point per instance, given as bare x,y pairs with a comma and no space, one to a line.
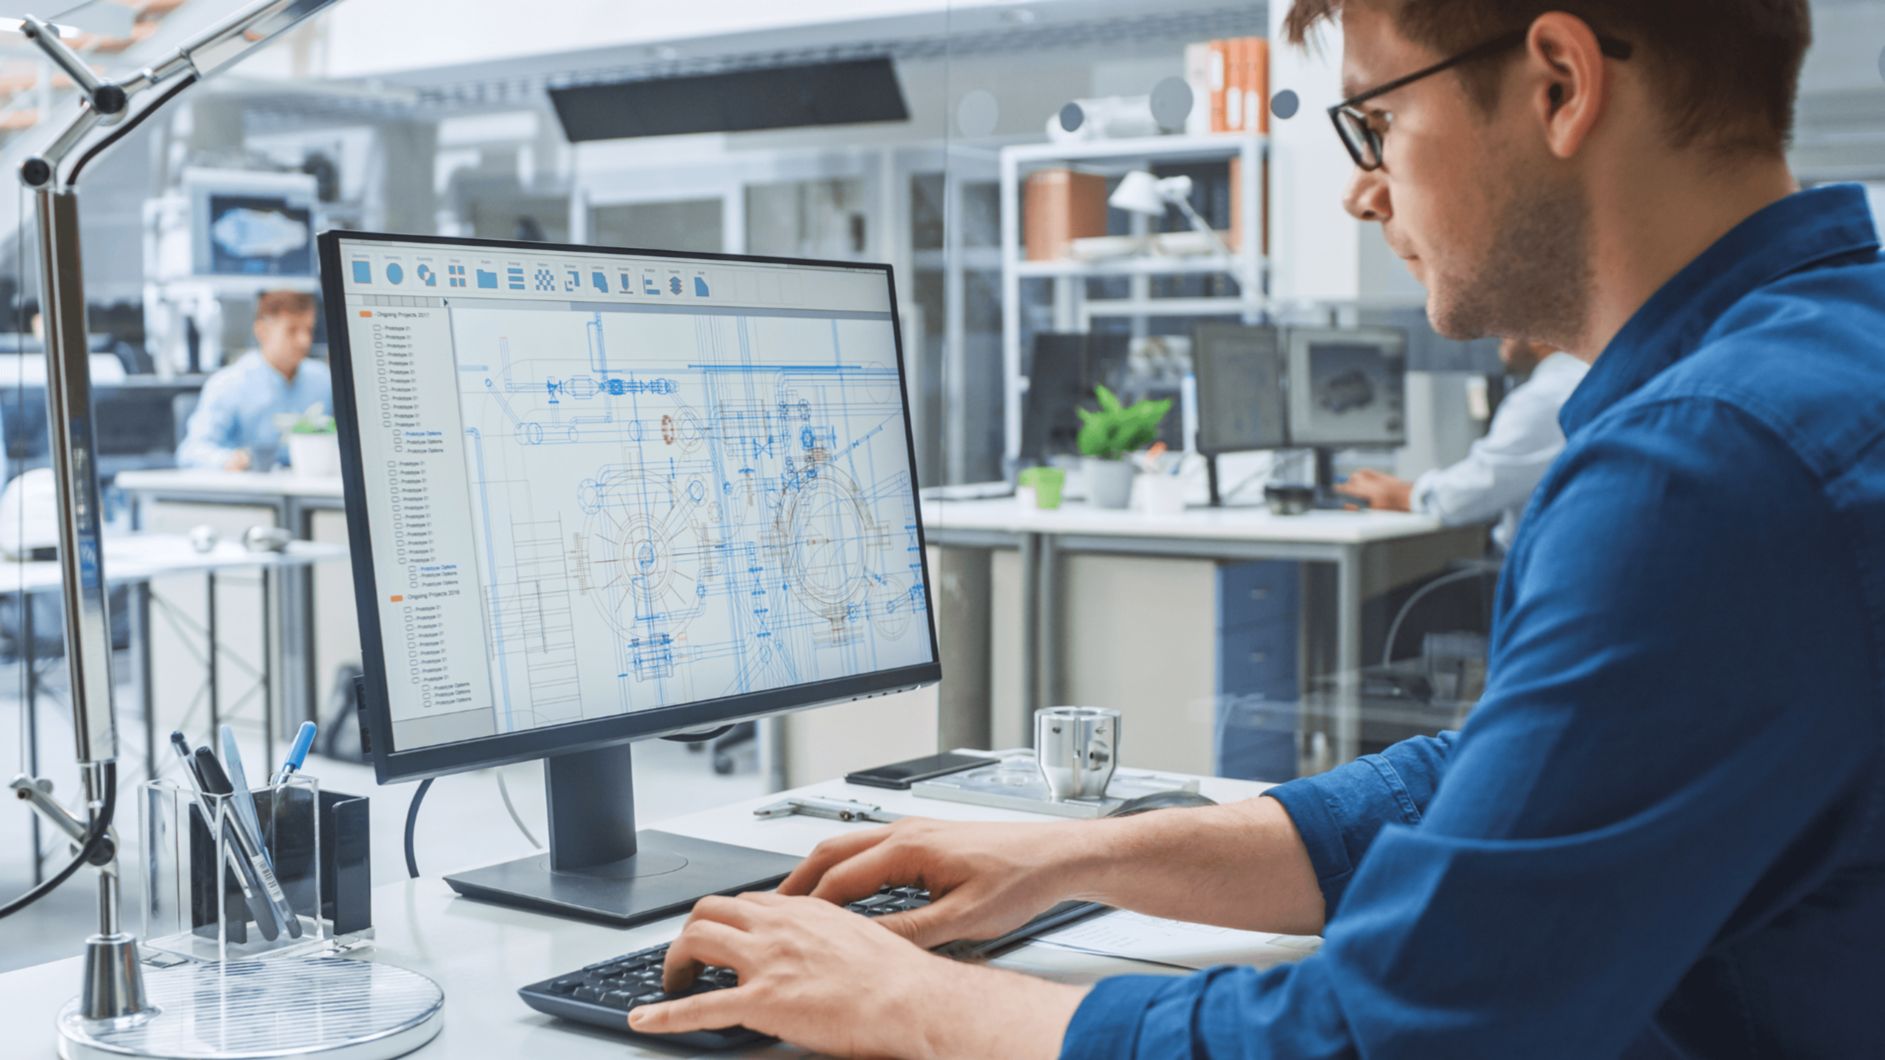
603,993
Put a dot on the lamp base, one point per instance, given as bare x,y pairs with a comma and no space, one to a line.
114,980
235,1008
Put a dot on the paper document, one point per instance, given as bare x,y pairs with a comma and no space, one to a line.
1177,943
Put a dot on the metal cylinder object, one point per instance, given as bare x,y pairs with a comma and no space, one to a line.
1077,749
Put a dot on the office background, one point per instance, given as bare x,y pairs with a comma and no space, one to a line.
969,145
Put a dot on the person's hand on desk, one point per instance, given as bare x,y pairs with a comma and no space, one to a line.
822,977
1383,492
238,461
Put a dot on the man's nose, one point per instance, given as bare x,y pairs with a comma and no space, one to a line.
1367,196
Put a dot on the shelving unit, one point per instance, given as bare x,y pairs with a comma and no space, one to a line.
1073,309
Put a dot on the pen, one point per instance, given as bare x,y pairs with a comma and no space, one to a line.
258,906
304,739
217,783
244,799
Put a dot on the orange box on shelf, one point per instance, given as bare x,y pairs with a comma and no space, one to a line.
1059,206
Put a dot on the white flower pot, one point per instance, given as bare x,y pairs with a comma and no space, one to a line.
1109,482
314,455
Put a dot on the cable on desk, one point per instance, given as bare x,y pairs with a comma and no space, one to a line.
412,819
1387,650
504,792
101,826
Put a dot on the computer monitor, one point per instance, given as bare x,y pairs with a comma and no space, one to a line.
249,224
599,495
1062,372
1242,397
1347,387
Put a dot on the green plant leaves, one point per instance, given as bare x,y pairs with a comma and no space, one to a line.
1117,429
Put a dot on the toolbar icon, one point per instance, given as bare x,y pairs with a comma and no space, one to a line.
363,272
599,280
514,277
674,285
455,275
394,273
427,276
700,287
487,279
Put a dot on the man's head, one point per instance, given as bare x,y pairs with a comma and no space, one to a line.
1493,171
284,329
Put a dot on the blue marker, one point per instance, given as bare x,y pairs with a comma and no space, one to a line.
297,754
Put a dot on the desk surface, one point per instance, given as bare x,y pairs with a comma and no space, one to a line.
196,482
1006,515
482,953
139,557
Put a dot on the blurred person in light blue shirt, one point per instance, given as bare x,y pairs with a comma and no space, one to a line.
233,427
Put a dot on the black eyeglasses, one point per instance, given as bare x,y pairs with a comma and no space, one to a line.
1361,132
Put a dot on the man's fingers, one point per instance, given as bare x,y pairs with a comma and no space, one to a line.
705,1011
702,942
737,912
862,876
826,854
928,927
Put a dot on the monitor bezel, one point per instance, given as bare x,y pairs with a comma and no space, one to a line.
391,763
1297,344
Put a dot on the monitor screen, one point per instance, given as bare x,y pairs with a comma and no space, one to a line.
255,225
1063,370
1241,402
1347,387
604,494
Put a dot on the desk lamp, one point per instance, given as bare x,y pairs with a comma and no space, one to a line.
114,995
1142,193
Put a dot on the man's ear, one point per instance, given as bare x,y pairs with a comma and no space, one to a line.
1565,80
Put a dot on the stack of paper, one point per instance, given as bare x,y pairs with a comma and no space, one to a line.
1178,944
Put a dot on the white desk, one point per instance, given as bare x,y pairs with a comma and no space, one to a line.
294,500
482,953
1350,541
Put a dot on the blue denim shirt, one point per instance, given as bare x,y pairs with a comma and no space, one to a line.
1662,833
239,406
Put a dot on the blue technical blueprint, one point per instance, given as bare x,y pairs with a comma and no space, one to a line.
674,507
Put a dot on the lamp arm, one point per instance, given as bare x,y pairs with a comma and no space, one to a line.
1199,223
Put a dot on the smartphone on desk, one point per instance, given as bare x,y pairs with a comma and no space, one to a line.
900,775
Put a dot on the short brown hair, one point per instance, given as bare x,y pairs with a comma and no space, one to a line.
1730,69
283,303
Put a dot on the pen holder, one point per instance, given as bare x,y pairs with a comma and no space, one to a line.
206,898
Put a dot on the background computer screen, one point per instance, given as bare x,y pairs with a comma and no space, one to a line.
1347,387
606,485
1241,402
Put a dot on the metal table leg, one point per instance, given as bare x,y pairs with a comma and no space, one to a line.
1047,617
215,703
271,637
1348,612
1030,551
146,685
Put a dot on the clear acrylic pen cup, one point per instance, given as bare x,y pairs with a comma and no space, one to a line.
207,894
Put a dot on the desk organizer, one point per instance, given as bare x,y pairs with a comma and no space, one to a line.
199,893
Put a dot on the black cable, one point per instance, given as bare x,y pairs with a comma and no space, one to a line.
128,126
412,819
100,827
700,737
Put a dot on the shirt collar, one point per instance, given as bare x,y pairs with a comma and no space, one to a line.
1803,229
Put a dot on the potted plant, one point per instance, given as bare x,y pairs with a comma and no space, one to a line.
1108,437
313,444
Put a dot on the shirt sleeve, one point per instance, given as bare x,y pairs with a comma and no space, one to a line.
1500,470
1674,727
210,439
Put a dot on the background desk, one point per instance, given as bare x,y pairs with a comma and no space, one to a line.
315,608
482,953
1256,609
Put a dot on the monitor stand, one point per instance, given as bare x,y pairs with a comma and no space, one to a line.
1327,500
598,867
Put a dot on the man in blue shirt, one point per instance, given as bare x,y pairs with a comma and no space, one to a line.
234,426
1662,832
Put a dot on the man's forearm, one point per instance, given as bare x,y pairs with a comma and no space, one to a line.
1241,865
979,1012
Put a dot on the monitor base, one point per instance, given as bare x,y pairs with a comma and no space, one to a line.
664,878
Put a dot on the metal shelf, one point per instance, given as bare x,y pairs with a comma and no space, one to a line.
1200,265
1205,146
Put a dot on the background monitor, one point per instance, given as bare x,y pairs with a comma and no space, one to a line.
1242,399
597,495
1064,368
256,225
1347,387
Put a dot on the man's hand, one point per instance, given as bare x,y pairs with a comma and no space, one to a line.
985,879
825,978
239,461
1383,492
